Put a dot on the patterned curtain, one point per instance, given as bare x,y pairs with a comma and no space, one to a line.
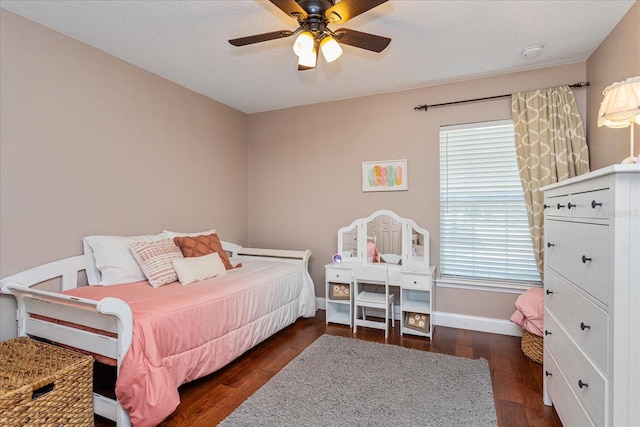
550,146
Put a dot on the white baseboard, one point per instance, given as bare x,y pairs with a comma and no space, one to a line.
461,321
476,323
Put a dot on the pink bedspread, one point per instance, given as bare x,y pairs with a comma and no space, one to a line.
529,313
181,333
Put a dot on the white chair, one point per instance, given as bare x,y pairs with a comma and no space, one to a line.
372,277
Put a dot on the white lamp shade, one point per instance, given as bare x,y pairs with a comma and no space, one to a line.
330,48
308,59
304,44
621,104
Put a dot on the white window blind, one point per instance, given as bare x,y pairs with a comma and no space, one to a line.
484,233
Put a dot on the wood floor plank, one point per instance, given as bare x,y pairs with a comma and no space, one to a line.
516,381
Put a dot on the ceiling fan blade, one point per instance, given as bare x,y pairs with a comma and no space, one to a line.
243,41
362,40
348,9
290,7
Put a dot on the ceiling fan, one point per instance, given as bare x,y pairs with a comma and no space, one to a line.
314,17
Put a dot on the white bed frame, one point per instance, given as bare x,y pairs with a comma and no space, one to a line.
109,314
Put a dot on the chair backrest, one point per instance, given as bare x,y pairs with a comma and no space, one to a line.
366,273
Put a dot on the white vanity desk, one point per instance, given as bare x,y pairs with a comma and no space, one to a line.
370,240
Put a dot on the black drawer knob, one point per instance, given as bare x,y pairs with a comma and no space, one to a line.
548,374
571,205
583,326
549,292
549,245
594,204
585,259
582,384
546,206
547,332
560,206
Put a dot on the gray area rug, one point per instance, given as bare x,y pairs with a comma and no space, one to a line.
340,381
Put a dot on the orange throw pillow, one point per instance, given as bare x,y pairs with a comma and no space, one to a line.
193,246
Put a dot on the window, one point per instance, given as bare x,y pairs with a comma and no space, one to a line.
484,232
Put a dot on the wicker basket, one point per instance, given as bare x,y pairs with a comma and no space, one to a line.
44,385
531,346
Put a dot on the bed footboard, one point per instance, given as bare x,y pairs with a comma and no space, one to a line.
47,315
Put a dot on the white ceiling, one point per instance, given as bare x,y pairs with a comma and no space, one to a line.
433,42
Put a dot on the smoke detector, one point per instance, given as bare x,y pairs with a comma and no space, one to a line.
531,51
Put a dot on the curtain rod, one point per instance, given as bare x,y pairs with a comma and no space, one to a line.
425,107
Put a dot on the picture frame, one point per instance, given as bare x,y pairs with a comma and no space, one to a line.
387,175
340,291
417,321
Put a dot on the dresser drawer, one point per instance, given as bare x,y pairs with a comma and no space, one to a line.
557,206
584,379
567,405
580,252
587,324
590,204
337,275
414,281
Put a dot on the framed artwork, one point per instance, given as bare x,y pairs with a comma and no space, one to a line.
417,321
340,291
389,175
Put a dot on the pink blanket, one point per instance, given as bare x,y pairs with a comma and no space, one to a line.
529,313
181,333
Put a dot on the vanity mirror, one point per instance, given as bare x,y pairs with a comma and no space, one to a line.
384,237
386,233
348,243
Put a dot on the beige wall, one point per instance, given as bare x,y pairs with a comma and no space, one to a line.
616,59
92,145
305,166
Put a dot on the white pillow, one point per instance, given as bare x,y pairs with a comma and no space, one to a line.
154,259
172,234
113,259
193,269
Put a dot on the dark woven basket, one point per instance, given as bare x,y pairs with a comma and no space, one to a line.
531,346
44,385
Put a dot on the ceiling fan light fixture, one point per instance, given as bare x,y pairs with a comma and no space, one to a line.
330,48
304,44
308,59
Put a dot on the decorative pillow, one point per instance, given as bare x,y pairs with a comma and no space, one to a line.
193,269
113,259
172,234
193,246
154,258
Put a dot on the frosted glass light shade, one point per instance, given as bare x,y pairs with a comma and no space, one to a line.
621,104
308,59
304,44
330,48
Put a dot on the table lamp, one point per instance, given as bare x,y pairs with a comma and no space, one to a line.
621,108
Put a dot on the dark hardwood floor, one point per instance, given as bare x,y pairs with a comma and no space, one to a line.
517,381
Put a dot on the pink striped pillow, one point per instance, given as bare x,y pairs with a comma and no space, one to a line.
154,259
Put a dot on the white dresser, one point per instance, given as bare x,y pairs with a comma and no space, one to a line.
592,298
